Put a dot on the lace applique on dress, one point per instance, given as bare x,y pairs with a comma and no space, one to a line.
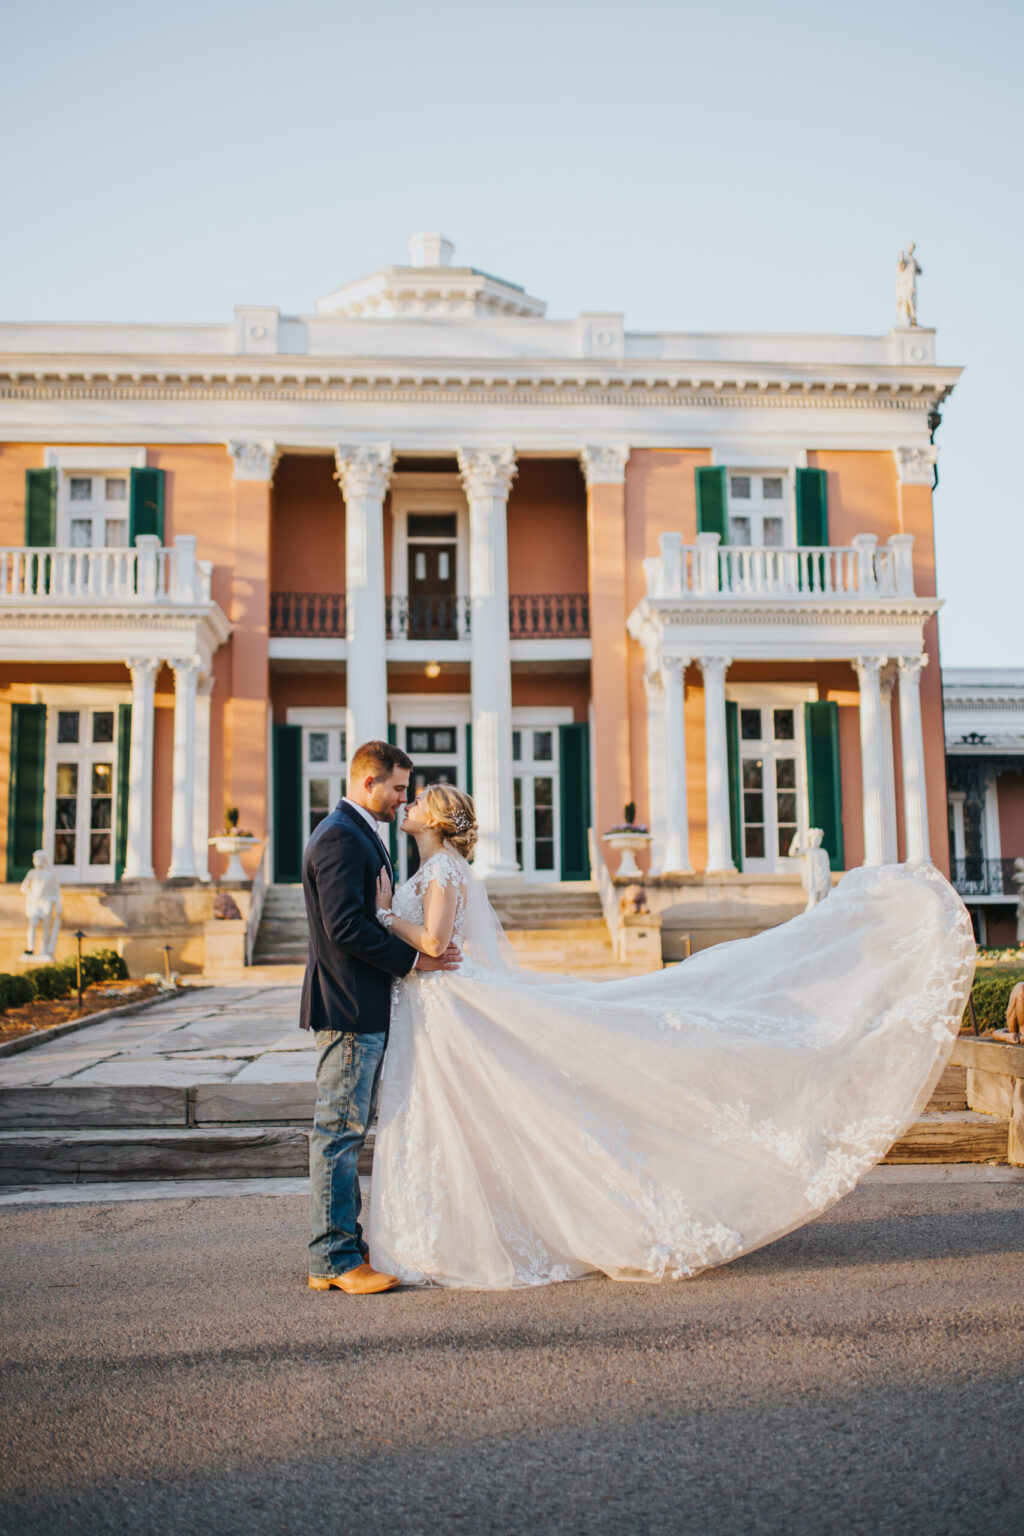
440,869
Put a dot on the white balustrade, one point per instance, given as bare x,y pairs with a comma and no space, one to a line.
710,570
146,573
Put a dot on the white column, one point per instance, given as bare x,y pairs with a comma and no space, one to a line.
869,670
138,862
487,475
364,474
716,751
673,747
183,771
887,682
201,820
654,688
915,795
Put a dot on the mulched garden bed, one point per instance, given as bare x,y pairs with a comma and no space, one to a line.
31,1017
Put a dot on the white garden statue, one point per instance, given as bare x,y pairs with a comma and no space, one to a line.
907,274
815,870
43,905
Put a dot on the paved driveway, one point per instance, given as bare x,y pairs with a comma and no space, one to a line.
165,1370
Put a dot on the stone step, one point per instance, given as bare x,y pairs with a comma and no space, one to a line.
98,1156
953,1136
950,1090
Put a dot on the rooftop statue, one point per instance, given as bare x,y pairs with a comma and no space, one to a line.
907,274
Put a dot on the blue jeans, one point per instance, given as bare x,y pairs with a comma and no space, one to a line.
347,1075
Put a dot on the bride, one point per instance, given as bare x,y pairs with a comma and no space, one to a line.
539,1128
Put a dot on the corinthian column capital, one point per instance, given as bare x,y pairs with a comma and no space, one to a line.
253,460
364,471
604,465
487,471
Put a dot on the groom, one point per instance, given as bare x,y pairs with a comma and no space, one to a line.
346,999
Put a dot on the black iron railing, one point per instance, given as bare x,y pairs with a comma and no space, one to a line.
425,616
985,877
310,615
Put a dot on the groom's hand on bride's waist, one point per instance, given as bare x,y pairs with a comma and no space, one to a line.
449,961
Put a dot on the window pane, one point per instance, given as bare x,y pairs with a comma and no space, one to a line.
318,746
67,778
785,838
753,842
750,724
773,532
517,747
543,791
320,793
102,779
67,725
771,488
544,855
116,489
99,813
116,533
417,741
66,815
785,773
784,725
81,488
342,747
753,806
739,531
543,822
753,776
64,848
421,567
543,747
786,801
443,741
739,487
99,848
443,565
81,533
103,725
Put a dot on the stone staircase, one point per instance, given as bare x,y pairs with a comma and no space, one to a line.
555,927
948,1132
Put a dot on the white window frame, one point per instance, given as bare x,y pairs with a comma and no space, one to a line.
84,753
312,720
433,495
432,710
784,508
776,696
542,718
93,462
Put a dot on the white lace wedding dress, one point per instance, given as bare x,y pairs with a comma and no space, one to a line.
539,1128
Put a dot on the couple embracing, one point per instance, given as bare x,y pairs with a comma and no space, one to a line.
539,1128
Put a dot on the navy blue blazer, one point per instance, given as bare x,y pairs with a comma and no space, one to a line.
351,957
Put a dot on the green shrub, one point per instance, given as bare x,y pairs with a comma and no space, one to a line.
14,991
114,965
991,993
47,982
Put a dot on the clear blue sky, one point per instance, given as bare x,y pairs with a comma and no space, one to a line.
721,166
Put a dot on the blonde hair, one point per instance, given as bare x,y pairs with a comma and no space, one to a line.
452,812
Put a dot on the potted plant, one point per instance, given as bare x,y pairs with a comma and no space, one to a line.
628,837
232,842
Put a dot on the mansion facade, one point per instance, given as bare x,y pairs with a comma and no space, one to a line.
565,565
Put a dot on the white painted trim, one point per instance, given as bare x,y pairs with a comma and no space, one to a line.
758,453
292,648
432,500
66,460
82,695
330,719
766,695
542,716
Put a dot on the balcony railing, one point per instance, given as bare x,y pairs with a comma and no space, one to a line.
708,569
550,616
307,614
984,877
321,615
146,573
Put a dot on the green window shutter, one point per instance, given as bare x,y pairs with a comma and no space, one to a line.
712,507
40,508
288,838
824,785
574,799
732,743
146,513
25,794
811,506
124,748
469,758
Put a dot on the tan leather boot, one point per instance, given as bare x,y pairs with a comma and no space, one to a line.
361,1281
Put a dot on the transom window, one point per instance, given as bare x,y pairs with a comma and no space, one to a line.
94,511
758,509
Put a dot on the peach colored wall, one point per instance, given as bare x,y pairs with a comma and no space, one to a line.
246,713
452,680
305,690
547,528
307,526
661,497
1010,791
15,458
862,494
606,545
549,690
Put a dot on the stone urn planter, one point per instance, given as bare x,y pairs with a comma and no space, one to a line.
232,844
627,841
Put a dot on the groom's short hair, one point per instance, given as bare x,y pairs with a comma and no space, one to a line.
379,758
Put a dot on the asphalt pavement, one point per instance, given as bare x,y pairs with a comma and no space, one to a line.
165,1370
